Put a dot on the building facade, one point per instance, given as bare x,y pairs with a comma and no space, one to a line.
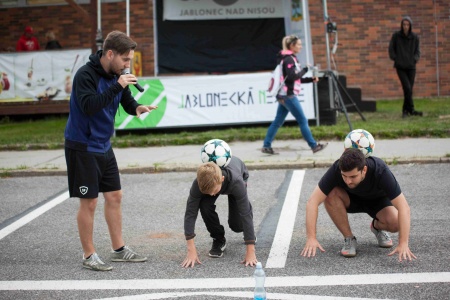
364,29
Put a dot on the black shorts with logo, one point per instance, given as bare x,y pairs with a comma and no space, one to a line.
90,173
369,206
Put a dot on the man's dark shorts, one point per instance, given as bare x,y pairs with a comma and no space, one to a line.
369,206
91,173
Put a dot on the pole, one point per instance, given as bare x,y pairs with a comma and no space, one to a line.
327,41
99,37
99,15
128,17
437,49
155,40
316,95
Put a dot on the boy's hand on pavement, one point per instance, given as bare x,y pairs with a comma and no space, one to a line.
191,259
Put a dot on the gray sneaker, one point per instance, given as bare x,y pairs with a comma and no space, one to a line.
383,237
349,249
95,263
127,255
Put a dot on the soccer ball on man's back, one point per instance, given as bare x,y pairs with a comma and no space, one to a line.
217,151
360,139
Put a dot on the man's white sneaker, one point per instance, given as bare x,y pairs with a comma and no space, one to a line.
383,237
95,263
349,249
127,255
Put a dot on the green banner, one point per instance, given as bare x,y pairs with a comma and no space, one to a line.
153,95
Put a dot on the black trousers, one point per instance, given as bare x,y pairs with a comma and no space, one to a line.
211,219
407,78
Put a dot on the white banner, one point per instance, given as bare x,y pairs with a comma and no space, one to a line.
40,75
208,101
221,9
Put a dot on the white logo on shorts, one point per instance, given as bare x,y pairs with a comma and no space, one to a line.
83,190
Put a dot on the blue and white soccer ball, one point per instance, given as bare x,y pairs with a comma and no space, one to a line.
217,151
360,139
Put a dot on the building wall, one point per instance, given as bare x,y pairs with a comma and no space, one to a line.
364,30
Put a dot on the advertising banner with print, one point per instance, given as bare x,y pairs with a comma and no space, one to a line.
41,75
208,101
177,10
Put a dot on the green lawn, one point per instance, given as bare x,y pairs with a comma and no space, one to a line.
385,123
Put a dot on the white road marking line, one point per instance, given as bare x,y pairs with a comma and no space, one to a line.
33,214
224,283
283,235
144,115
237,294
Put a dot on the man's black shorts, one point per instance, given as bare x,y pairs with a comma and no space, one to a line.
369,206
91,173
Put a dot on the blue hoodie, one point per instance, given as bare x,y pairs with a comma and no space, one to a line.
94,102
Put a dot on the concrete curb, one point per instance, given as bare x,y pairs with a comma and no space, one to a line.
193,167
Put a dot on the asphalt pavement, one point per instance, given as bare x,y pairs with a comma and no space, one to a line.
293,154
41,253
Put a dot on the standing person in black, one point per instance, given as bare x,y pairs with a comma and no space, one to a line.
404,50
52,43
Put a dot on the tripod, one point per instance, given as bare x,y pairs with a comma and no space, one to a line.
339,104
333,82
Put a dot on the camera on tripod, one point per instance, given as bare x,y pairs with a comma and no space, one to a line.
331,27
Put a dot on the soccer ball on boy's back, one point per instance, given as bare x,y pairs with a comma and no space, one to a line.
216,151
360,139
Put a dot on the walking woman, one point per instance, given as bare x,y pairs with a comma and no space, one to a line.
287,97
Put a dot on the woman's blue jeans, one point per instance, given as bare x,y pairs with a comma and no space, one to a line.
285,105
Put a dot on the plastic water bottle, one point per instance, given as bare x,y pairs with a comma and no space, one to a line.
260,277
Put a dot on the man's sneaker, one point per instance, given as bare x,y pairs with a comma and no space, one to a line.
268,150
383,237
127,255
217,248
349,249
95,263
319,147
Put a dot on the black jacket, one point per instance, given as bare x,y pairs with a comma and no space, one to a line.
292,72
52,45
404,50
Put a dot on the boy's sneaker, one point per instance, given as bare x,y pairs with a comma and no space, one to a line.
349,249
383,237
95,263
268,150
319,147
127,255
217,248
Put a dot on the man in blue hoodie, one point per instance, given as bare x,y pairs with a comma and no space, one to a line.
98,88
404,50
